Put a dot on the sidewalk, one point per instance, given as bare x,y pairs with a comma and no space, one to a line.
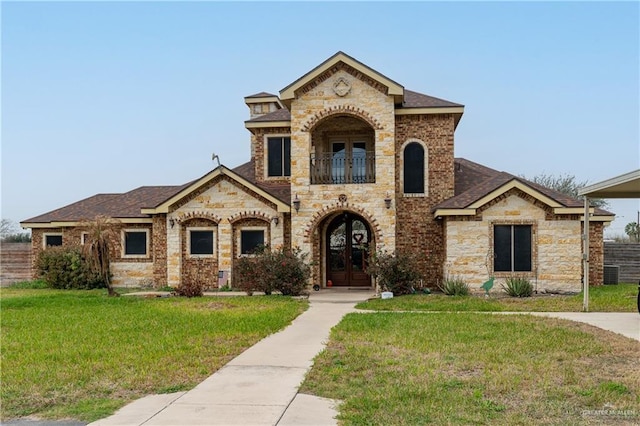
260,386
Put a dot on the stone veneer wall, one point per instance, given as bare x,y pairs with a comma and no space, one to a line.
315,104
417,231
557,245
227,204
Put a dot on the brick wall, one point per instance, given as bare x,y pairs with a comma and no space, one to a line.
417,231
195,268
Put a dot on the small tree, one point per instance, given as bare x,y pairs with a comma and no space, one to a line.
100,231
9,233
633,231
567,184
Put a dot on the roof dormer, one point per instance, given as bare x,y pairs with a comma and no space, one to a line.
262,103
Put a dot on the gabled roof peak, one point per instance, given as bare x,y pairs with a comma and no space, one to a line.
394,89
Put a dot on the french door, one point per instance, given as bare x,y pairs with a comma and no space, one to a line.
348,238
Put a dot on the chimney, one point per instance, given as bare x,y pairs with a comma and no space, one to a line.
262,103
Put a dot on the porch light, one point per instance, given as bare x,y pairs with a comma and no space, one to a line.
275,220
296,203
172,222
387,201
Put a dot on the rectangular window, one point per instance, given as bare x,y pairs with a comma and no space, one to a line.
84,238
201,242
512,248
250,240
279,156
135,243
52,240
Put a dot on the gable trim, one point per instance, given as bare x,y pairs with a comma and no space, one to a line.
424,111
218,171
72,223
558,208
266,124
394,89
522,187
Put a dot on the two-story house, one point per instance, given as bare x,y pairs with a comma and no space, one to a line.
344,162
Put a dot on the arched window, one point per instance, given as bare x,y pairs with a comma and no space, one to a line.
413,169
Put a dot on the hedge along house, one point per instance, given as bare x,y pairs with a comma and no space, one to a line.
344,162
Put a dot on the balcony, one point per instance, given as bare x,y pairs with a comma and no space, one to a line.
338,168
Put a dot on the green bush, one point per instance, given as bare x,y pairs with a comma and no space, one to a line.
67,268
396,272
518,287
454,286
286,271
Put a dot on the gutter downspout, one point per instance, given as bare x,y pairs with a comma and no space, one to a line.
585,257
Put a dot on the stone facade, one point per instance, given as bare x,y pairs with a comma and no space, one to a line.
226,207
317,113
556,245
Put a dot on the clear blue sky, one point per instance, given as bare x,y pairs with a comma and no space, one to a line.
106,97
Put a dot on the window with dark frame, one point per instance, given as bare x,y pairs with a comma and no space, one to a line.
279,156
200,242
512,248
135,243
414,169
52,240
250,240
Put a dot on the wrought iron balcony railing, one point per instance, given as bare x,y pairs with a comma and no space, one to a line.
336,168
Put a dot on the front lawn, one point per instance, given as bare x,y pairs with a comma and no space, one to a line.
82,355
471,368
608,298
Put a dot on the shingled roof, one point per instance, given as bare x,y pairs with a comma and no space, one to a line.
125,205
279,190
419,100
474,181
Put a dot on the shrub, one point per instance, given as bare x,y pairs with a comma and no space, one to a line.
518,287
454,286
190,287
396,272
286,271
67,268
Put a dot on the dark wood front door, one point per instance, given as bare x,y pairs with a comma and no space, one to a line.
348,239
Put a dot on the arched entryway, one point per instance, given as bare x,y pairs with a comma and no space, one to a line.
348,242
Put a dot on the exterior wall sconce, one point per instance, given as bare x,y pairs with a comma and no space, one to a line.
275,220
296,203
172,222
387,202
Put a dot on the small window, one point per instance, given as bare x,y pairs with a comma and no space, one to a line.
135,243
52,240
84,238
250,240
512,248
279,156
201,242
413,169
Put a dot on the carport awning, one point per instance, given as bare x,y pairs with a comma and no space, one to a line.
623,186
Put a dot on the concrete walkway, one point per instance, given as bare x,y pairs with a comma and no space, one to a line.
260,386
624,323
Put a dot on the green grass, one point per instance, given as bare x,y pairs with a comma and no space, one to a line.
610,298
471,368
82,355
